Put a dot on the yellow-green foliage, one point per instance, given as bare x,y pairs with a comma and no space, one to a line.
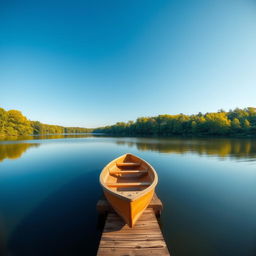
40,128
238,121
13,123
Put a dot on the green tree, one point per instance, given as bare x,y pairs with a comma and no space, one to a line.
246,124
235,125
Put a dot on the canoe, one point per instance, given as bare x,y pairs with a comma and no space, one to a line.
129,183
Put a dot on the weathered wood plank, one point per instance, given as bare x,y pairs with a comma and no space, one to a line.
133,252
132,236
144,239
133,244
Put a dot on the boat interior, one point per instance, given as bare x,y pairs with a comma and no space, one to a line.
129,175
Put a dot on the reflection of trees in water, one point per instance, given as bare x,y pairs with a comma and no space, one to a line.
62,136
14,151
239,148
49,136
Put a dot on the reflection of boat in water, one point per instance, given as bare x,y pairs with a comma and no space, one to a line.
129,184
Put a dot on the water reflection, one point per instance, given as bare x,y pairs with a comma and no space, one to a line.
13,147
237,148
14,151
50,195
221,147
48,136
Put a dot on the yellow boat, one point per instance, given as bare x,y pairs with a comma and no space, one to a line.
129,184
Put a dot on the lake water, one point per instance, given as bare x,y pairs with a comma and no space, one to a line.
49,189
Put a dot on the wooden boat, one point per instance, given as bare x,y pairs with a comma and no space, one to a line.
129,184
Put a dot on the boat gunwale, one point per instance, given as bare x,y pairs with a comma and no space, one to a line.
141,193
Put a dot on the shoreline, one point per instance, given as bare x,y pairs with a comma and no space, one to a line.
184,136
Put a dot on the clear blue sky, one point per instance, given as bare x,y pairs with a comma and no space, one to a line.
93,63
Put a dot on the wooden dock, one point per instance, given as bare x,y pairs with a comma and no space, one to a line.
144,239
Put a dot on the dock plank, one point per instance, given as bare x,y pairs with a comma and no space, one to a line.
145,238
132,252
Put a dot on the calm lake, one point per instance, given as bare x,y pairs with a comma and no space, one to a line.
49,189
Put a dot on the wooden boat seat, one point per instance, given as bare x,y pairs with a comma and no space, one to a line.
126,164
129,172
129,184
129,193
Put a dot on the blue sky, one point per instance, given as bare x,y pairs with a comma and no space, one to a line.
93,63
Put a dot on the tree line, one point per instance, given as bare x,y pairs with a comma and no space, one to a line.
221,123
14,123
234,122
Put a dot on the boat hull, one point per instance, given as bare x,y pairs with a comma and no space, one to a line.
129,210
129,183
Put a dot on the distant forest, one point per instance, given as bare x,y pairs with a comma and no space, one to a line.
234,122
241,122
13,123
